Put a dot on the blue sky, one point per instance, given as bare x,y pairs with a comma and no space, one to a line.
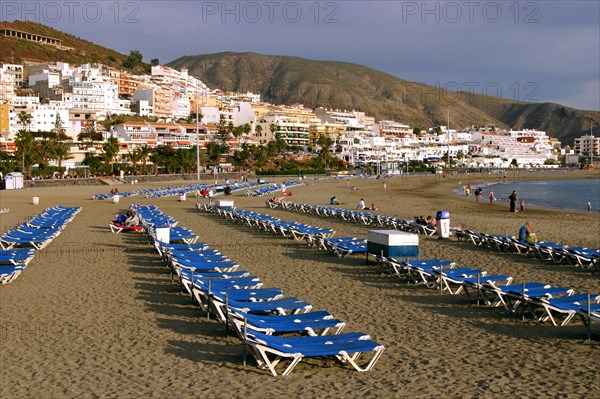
525,50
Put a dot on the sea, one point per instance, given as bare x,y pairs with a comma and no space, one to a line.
567,194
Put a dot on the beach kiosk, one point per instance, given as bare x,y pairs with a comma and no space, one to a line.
14,181
392,244
225,204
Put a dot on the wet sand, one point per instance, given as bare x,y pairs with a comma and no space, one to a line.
95,314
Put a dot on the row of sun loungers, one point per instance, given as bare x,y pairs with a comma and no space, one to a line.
279,331
176,190
20,244
293,230
271,188
548,251
321,238
544,302
357,216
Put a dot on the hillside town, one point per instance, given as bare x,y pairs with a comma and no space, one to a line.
95,111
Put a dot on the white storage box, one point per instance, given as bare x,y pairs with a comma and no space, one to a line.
225,204
393,243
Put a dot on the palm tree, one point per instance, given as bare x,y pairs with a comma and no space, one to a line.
186,159
145,152
258,129
24,120
25,143
134,157
111,149
325,152
61,153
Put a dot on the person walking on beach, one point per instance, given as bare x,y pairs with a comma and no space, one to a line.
522,204
211,196
468,191
478,194
589,207
491,197
513,201
361,204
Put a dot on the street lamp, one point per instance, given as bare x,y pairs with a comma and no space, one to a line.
197,136
448,137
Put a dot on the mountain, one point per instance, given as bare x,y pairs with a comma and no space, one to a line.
289,80
14,50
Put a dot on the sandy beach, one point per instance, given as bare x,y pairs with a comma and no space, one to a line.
96,315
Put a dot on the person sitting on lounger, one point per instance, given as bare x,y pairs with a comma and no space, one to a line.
526,235
334,201
420,220
431,222
121,218
133,220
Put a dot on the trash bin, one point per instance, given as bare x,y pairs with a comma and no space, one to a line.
116,198
182,196
162,228
35,200
443,224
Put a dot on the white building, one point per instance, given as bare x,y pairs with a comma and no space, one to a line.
587,145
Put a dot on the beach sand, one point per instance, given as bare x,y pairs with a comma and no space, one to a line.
96,315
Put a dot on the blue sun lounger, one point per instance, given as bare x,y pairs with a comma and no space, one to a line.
448,278
522,296
9,272
270,351
495,294
311,323
16,257
424,271
566,307
476,283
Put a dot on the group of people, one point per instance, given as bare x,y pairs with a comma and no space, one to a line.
513,199
206,193
128,219
362,206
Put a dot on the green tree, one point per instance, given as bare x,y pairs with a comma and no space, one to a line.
145,152
8,162
154,62
93,163
186,159
134,60
134,157
26,151
111,149
58,132
61,153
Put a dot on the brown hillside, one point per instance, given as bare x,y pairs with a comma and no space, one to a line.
348,86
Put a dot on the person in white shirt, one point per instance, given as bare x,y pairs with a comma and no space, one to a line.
132,220
361,204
